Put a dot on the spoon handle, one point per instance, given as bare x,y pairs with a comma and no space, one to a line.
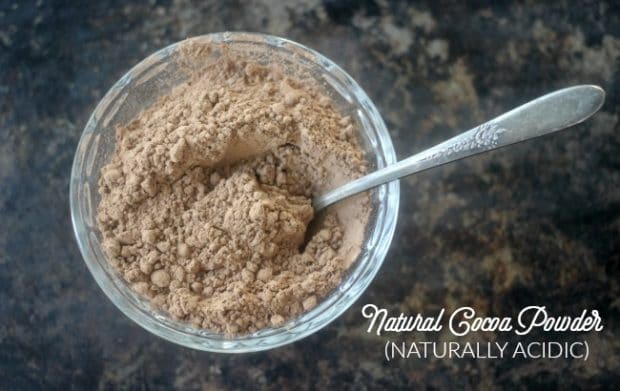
549,113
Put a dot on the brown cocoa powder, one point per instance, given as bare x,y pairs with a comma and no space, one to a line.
206,201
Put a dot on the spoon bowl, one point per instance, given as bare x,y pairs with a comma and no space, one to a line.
152,78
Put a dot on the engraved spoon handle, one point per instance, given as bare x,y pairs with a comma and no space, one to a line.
549,113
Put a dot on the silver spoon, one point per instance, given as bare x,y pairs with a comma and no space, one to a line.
547,114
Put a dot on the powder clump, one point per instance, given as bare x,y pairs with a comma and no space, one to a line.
206,201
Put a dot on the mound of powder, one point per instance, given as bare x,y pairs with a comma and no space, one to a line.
206,200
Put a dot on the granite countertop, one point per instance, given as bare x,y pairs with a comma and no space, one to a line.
535,224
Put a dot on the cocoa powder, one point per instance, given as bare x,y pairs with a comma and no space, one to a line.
206,201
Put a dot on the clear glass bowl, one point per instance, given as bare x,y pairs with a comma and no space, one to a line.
155,76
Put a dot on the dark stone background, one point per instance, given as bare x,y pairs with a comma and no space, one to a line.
537,223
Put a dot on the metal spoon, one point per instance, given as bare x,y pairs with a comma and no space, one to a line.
549,113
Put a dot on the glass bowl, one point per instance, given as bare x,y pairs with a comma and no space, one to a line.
154,77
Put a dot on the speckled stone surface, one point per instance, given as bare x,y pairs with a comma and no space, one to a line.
538,223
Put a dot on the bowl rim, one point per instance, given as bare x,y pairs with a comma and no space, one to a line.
201,339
